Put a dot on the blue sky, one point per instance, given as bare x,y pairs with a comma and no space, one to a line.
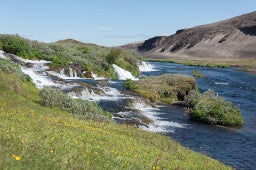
112,22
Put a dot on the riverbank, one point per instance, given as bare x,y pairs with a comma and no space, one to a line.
246,64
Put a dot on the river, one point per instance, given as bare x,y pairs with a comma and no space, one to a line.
233,146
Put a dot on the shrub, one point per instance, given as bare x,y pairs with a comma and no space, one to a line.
112,56
210,108
89,110
196,73
130,84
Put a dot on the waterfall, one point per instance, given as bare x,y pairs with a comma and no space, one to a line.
62,72
75,73
36,70
2,55
39,80
123,74
145,67
70,72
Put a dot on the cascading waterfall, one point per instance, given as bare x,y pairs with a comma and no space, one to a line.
123,74
2,55
36,70
145,67
62,72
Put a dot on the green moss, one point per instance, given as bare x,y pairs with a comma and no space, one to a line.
209,108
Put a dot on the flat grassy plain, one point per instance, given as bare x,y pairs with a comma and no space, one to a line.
33,136
246,64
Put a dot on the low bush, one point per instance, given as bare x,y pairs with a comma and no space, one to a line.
196,73
210,108
130,84
89,110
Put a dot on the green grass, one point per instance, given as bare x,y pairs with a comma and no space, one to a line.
33,136
212,109
167,88
245,64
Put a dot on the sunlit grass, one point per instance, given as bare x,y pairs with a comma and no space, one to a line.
246,64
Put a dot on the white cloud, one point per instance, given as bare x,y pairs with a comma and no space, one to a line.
104,28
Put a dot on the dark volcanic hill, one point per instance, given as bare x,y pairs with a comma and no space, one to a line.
231,38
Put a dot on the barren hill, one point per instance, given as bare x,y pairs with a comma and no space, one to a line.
231,38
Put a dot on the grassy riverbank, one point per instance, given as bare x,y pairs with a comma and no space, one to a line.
246,64
33,136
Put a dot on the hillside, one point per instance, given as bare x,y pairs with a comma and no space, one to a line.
233,38
86,59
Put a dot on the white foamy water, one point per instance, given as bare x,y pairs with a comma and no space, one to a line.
2,55
39,80
37,72
31,61
146,67
107,94
220,83
123,74
159,124
95,77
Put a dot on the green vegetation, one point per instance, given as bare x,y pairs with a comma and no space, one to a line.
130,84
87,57
167,88
245,64
196,73
36,133
209,108
12,68
89,110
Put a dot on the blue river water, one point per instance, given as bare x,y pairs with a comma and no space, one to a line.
232,146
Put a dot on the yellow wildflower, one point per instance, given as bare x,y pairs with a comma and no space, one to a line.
17,158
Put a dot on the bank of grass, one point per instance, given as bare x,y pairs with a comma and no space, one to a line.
245,64
33,136
209,108
167,88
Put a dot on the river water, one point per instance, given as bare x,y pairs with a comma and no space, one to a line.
236,146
